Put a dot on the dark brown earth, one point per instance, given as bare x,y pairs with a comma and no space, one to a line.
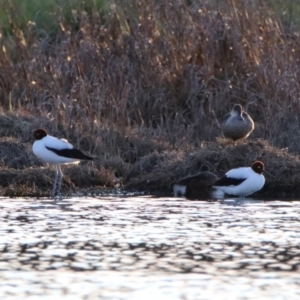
23,174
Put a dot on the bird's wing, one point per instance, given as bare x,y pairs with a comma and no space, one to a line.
204,178
226,181
243,172
59,144
225,118
234,177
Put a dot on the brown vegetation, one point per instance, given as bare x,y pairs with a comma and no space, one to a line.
141,87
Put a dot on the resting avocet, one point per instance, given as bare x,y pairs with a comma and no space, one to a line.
56,151
241,181
195,186
237,124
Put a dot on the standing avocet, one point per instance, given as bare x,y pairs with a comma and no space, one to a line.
241,181
56,151
237,124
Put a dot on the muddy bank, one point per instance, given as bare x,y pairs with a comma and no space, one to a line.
22,174
158,171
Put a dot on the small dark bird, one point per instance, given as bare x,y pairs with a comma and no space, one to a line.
195,186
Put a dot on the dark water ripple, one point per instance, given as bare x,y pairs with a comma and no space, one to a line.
142,247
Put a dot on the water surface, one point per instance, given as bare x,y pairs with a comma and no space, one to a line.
149,248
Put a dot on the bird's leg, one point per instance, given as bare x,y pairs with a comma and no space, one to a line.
60,179
55,182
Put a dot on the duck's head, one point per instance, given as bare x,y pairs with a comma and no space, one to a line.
237,109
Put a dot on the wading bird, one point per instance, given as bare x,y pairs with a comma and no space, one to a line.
241,181
56,152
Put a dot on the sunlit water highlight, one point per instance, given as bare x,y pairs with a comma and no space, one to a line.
149,248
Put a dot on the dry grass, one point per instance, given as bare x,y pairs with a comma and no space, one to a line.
146,82
23,174
157,172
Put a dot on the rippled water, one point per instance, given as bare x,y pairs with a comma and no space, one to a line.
149,248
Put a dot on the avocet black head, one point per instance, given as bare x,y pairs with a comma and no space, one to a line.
39,134
258,167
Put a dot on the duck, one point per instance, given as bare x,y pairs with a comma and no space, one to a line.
237,124
241,182
56,151
195,186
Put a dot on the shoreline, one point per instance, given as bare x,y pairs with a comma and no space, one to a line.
23,175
